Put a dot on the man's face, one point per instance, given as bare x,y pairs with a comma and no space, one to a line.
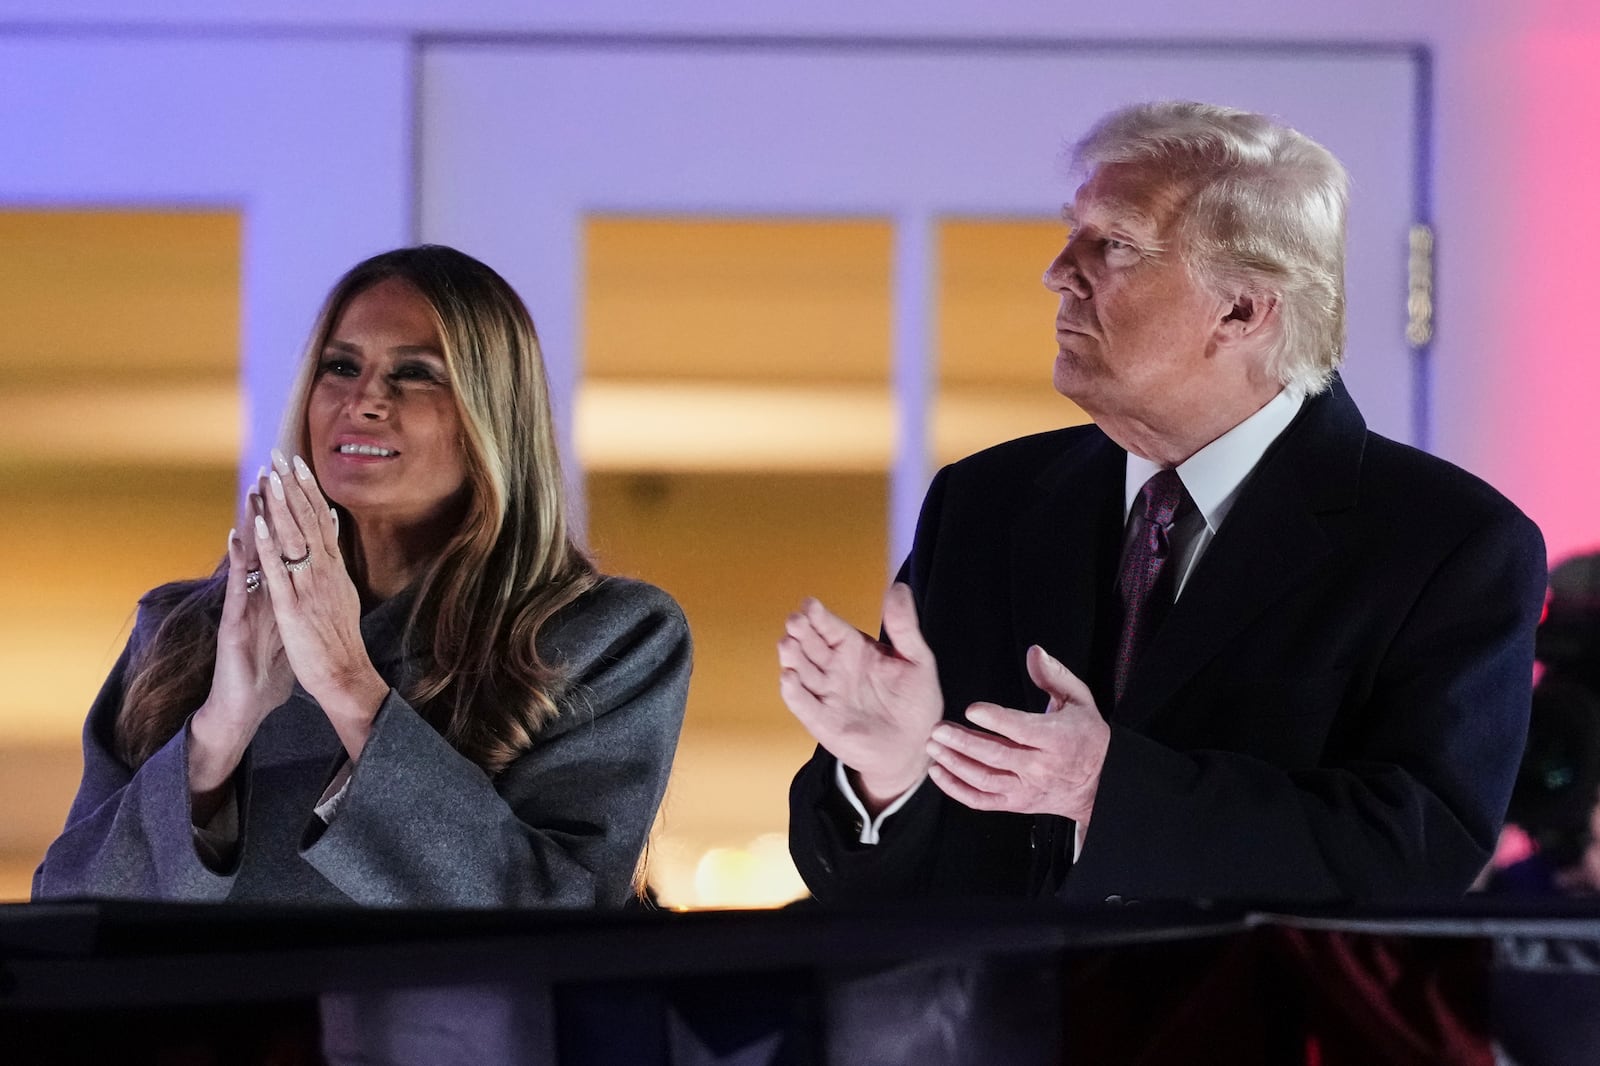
1135,333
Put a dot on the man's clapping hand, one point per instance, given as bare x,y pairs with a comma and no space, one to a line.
871,704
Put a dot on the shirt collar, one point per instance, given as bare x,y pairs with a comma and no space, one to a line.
1213,474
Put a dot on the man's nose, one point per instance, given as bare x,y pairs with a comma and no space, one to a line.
1063,276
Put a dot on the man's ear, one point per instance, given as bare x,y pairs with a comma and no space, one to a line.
1251,314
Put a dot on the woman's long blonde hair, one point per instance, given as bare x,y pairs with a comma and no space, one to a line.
497,580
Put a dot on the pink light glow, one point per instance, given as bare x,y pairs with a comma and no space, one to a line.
1548,318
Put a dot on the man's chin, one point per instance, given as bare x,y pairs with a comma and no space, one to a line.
1070,376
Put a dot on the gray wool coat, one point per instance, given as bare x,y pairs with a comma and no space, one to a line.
419,824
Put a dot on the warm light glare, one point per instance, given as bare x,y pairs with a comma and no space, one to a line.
184,425
677,426
758,873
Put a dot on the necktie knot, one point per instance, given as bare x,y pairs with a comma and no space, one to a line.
1161,497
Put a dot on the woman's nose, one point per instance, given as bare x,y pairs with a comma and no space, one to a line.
371,398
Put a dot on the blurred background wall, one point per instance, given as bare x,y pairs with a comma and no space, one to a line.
784,260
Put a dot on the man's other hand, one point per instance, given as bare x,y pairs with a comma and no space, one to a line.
1028,763
871,704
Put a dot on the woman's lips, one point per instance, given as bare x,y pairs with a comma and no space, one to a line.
374,451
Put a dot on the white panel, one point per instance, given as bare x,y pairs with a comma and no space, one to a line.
519,143
309,140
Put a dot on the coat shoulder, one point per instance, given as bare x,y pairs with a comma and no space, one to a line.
1420,482
618,636
1036,450
1024,461
617,605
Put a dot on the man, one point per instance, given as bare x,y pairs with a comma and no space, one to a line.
1223,644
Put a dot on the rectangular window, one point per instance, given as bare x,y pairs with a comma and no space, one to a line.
118,466
736,425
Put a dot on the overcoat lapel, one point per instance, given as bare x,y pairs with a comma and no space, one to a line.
1272,541
1064,555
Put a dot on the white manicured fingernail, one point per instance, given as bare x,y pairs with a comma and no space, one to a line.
301,469
277,484
233,535
278,460
261,529
260,473
335,514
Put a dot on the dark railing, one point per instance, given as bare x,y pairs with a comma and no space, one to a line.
925,984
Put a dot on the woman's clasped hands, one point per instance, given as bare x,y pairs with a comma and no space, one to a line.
290,611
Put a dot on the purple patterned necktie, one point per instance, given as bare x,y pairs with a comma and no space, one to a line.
1143,603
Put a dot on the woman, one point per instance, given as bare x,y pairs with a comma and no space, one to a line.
423,694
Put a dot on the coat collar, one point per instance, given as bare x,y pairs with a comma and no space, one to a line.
383,631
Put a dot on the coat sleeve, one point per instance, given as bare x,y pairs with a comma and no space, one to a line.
912,857
1409,809
566,823
128,834
824,830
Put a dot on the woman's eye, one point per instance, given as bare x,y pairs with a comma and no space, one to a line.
414,373
338,366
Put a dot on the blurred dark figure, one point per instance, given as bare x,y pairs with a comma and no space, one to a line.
1558,785
1543,986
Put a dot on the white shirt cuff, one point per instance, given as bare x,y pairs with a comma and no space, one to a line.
333,795
870,826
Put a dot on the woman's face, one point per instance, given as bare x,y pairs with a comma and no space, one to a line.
386,440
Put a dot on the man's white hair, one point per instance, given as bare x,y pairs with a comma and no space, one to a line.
1261,208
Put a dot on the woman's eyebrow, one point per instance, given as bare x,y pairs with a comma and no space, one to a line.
399,349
